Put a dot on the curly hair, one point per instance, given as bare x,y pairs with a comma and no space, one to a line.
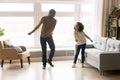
80,26
52,12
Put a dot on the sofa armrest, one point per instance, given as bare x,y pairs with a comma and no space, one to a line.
23,48
110,61
24,54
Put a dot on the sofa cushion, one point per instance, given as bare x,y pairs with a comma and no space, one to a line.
113,45
24,54
100,43
93,52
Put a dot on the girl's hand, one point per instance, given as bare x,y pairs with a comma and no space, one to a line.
76,40
91,40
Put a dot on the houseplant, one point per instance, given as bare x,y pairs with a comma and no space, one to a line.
111,22
2,31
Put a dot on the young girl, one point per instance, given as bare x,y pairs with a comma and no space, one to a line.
80,36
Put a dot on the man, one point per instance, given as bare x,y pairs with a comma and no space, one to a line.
48,25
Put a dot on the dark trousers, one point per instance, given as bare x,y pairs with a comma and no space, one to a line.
51,44
77,50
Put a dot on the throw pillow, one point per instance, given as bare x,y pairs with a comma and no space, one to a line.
7,44
18,49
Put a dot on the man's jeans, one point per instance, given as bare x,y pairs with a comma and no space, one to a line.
51,44
77,50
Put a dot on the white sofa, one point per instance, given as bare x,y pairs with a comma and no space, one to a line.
105,55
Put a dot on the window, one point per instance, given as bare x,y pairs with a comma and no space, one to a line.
16,29
16,7
63,33
17,22
88,18
58,7
20,18
87,8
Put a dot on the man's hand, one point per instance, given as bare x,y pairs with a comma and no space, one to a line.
29,33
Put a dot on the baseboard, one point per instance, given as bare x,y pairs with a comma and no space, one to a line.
39,59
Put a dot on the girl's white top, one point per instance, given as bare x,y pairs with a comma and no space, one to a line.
80,37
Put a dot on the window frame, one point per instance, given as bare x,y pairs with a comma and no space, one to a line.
37,13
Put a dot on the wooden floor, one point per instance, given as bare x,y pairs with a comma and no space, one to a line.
61,71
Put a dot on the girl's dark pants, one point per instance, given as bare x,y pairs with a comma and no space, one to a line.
77,50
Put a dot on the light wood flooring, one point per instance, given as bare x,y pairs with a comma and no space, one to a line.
61,71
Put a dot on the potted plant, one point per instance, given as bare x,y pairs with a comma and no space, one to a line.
2,31
110,27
